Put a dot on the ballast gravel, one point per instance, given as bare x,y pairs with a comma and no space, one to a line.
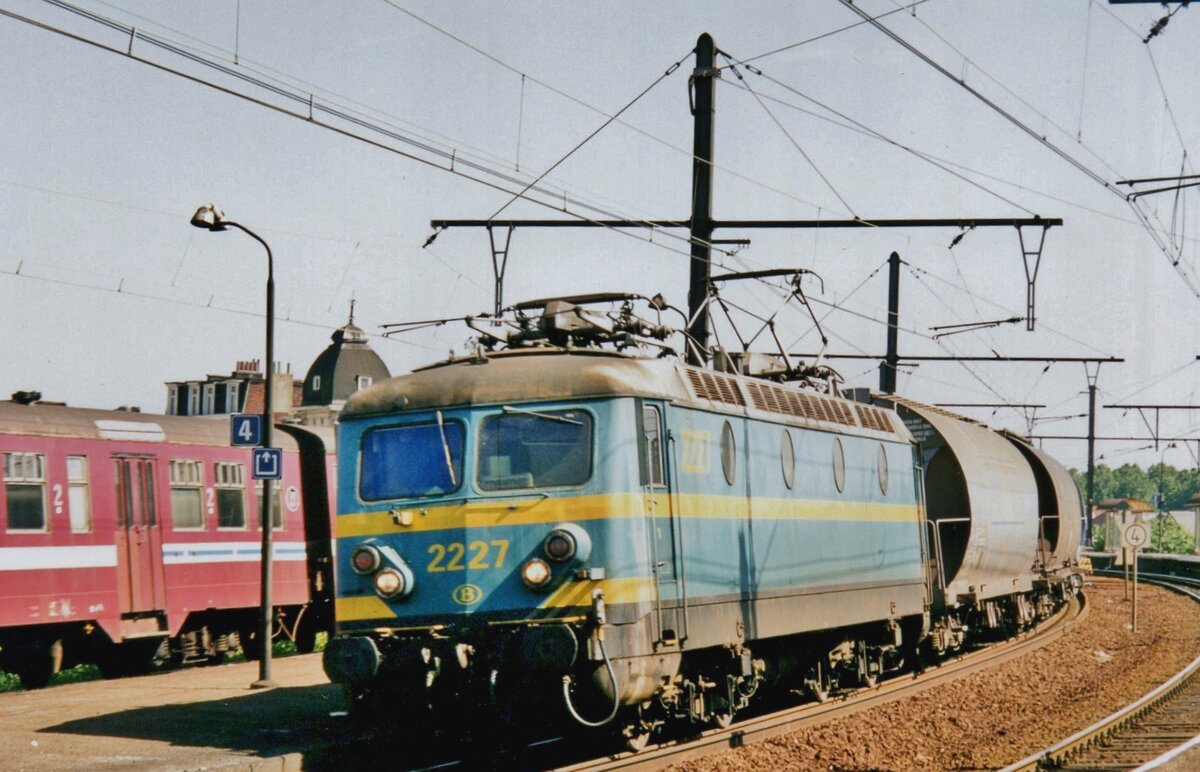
991,719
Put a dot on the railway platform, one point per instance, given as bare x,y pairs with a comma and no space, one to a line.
194,718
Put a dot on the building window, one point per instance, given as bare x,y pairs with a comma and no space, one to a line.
276,503
187,495
172,400
193,399
232,403
363,382
230,482
78,499
316,383
25,491
210,398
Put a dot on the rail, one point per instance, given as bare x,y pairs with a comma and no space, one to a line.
1057,755
758,729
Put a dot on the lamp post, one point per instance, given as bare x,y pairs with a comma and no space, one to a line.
211,218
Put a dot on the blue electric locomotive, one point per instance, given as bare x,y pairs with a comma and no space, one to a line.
633,540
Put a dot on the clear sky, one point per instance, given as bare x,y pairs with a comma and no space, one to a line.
106,292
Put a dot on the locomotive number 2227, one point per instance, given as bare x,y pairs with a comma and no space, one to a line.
450,557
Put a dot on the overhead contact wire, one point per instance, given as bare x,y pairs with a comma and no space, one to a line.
591,136
792,140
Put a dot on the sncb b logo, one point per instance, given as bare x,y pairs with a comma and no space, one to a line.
467,594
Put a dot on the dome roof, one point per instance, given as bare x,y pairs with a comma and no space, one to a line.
346,366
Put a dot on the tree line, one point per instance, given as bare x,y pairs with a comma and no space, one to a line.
1161,485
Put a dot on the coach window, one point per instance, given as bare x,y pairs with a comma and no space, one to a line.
230,482
881,467
728,453
839,465
652,441
25,491
187,495
79,501
530,448
276,503
787,459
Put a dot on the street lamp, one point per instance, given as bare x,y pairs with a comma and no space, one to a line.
210,218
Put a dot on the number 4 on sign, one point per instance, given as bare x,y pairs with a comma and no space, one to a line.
245,430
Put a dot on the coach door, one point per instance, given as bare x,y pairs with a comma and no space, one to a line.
139,537
656,479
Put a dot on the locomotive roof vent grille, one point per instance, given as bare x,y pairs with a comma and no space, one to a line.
874,418
777,399
711,386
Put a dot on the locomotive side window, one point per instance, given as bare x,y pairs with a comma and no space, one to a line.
25,491
401,462
881,467
527,449
652,439
276,503
187,495
839,465
728,453
787,459
231,494
79,501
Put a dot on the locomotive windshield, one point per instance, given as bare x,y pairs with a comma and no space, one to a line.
400,462
527,449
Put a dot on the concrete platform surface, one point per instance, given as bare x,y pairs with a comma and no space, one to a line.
195,718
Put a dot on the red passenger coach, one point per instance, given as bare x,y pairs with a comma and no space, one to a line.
127,537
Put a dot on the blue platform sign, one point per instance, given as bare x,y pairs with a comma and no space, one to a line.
268,464
245,430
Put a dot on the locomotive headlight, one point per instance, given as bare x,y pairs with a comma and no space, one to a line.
389,583
365,559
559,546
536,573
394,583
567,542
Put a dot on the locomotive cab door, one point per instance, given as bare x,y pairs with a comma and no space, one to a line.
656,484
140,577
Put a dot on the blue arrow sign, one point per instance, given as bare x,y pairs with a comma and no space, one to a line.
268,464
245,430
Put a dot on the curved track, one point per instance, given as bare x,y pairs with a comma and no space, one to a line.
757,729
1159,722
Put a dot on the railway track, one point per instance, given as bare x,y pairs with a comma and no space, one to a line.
757,729
1161,721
